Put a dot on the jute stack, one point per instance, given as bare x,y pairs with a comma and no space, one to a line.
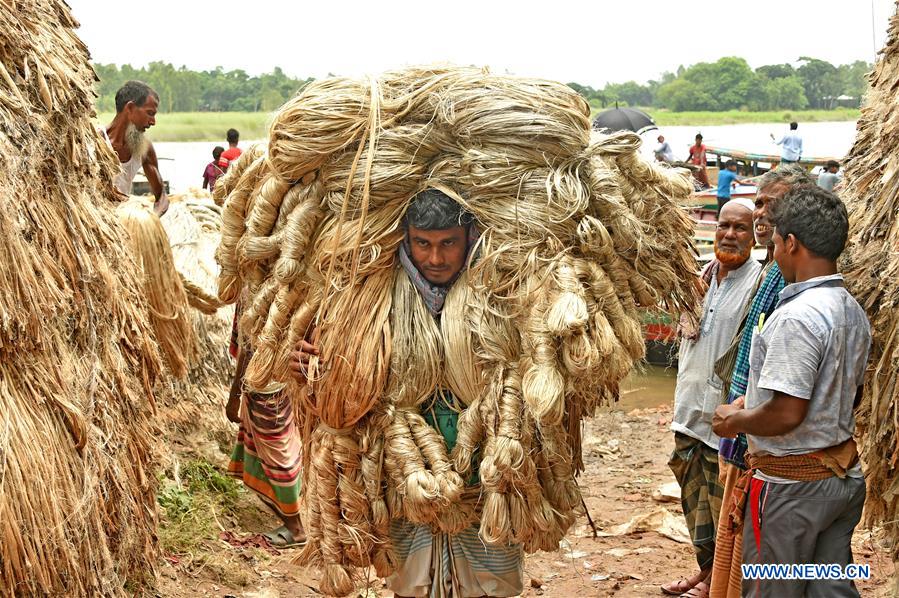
871,267
77,357
575,234
176,255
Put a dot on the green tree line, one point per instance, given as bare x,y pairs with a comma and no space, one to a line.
185,90
727,84
730,84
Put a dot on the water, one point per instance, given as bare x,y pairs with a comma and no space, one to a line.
647,386
828,139
182,163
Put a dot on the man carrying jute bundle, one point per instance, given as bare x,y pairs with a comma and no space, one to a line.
807,365
726,574
136,104
437,246
730,280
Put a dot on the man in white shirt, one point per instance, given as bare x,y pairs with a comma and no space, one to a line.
663,151
731,280
791,145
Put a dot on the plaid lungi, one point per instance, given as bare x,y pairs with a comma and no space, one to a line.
695,465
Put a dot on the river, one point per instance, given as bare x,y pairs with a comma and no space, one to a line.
182,163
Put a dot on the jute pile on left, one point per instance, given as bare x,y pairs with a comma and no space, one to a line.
77,358
575,233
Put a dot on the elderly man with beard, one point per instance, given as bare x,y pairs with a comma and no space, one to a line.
731,280
136,104
726,573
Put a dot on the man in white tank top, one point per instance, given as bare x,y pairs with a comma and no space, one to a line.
136,104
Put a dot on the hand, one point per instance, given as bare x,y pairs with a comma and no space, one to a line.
299,359
161,205
232,409
722,421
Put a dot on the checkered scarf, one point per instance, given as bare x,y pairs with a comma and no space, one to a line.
765,301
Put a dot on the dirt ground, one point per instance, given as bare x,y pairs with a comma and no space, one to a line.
626,456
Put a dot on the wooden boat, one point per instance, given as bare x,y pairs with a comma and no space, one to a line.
757,164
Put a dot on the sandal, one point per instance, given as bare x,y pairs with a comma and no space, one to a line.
282,538
682,586
700,590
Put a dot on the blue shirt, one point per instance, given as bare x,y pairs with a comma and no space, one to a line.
725,178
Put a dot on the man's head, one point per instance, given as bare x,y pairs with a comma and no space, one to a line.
216,152
794,126
733,237
810,224
698,138
832,166
772,186
233,136
731,165
138,102
437,232
661,139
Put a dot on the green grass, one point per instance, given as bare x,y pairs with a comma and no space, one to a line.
665,118
211,126
191,504
204,126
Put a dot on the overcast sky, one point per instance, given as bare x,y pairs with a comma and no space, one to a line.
591,43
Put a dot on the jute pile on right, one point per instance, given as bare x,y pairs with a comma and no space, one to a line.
577,231
871,267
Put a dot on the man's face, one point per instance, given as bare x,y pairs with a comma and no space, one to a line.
661,139
438,254
764,203
733,237
783,257
143,117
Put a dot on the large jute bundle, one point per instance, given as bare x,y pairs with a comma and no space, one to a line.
871,267
162,286
77,358
193,227
576,231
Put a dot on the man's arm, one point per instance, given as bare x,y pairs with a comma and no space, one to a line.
151,171
781,415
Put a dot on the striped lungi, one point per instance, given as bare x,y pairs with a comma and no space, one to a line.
266,455
439,565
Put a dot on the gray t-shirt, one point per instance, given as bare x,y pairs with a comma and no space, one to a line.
814,346
699,391
827,180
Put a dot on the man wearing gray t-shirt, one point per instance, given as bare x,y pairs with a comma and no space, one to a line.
807,365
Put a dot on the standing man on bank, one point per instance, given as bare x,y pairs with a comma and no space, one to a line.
730,280
791,145
807,368
136,104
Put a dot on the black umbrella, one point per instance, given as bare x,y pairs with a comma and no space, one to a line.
623,119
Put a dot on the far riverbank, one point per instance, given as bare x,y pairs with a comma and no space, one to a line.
211,126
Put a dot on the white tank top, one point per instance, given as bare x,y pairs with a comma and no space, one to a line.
127,170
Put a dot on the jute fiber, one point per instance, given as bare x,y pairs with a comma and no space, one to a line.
193,227
576,232
870,264
78,362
